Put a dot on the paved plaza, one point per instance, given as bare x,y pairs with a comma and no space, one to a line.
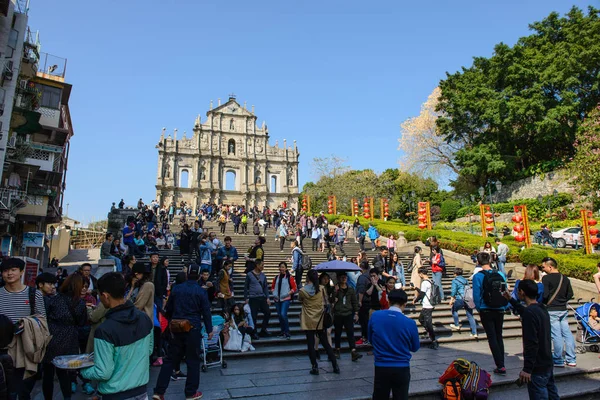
287,377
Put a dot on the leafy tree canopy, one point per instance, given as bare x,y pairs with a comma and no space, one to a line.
517,113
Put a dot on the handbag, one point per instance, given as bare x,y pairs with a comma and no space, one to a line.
180,326
327,316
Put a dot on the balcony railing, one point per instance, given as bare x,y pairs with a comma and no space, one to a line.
52,66
11,199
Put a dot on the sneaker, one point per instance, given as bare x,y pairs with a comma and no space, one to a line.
288,336
571,364
158,397
454,327
360,342
356,356
337,354
434,345
195,396
474,335
314,371
158,362
178,375
281,336
500,371
559,365
88,388
73,387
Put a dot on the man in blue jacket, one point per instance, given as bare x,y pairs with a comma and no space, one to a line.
188,301
373,235
393,337
491,308
123,344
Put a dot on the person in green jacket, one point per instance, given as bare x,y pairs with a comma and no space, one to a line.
345,314
123,344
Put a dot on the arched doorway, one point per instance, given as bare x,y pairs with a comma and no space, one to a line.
184,179
230,180
273,184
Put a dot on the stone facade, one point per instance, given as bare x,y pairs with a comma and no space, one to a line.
117,219
530,188
227,160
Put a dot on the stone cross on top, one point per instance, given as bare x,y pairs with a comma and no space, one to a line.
232,96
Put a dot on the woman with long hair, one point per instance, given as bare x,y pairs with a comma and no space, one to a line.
398,270
65,313
314,300
128,261
417,263
141,292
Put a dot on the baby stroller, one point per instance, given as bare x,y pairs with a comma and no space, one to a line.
588,337
212,350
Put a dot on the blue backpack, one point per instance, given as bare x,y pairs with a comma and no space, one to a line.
442,261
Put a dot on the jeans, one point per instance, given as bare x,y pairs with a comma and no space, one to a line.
361,243
260,304
223,225
394,379
281,242
347,323
542,387
312,352
282,313
363,320
561,338
182,344
437,282
315,244
492,321
373,245
500,265
459,304
64,381
117,261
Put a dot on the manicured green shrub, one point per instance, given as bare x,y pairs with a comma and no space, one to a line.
533,255
449,210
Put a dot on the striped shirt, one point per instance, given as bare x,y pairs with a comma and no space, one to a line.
15,305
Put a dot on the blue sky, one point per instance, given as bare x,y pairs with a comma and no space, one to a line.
337,76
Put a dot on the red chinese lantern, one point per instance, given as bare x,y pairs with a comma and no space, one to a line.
422,226
366,211
489,228
519,228
593,231
422,211
488,214
517,219
520,238
595,240
489,221
422,218
592,222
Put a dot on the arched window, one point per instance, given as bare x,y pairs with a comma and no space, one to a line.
230,180
231,147
184,179
273,184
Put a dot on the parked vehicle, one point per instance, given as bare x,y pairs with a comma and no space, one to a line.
568,237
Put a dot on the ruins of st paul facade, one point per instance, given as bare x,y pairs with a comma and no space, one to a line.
227,160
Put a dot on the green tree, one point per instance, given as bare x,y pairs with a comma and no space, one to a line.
516,113
585,165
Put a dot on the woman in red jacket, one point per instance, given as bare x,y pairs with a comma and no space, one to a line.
437,270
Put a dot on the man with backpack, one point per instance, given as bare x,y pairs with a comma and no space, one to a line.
429,299
537,345
460,287
299,259
488,288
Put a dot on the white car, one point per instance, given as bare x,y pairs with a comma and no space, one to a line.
568,237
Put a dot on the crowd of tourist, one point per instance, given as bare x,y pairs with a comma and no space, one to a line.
120,316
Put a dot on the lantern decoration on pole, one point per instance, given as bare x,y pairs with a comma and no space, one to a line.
331,205
521,221
589,231
385,209
354,207
366,209
304,204
487,219
424,210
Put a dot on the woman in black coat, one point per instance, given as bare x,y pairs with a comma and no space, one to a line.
65,313
186,239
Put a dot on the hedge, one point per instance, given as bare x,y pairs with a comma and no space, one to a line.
534,207
573,264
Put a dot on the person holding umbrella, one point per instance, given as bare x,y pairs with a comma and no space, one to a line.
345,315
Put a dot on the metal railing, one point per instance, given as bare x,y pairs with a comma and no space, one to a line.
22,6
11,198
52,65
33,45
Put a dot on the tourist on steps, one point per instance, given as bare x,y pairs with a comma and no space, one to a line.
313,299
283,288
392,363
254,254
105,253
256,295
457,302
345,315
297,259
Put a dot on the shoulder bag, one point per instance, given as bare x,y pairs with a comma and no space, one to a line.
556,291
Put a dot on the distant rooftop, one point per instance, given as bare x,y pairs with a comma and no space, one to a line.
52,67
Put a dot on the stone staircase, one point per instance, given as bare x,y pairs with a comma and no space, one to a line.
274,346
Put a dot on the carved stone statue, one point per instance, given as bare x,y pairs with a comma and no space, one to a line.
231,148
259,146
167,170
231,125
202,173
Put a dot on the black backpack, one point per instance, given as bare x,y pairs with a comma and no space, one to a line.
435,299
492,289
